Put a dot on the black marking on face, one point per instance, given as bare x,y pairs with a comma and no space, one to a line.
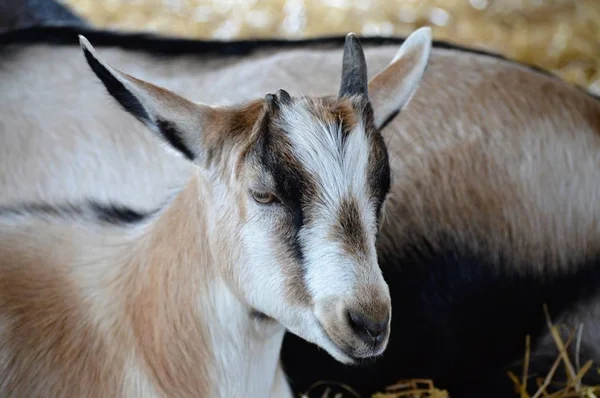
170,133
117,89
288,185
292,182
109,213
379,173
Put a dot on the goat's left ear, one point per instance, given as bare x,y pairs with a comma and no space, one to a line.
392,88
175,119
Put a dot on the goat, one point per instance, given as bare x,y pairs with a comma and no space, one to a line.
493,214
272,229
491,210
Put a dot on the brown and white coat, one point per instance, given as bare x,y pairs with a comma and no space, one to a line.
492,209
245,220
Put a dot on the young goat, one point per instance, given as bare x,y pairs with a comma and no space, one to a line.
274,230
492,209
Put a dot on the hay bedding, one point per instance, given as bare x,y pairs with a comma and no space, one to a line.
544,387
561,36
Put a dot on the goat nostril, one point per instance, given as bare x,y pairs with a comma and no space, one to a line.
367,329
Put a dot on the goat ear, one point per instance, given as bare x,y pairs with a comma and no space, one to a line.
392,88
175,119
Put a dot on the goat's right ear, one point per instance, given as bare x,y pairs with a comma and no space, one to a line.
177,120
391,89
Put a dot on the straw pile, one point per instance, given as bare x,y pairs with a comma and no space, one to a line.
561,36
403,389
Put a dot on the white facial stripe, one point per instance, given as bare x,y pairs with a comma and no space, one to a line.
339,272
340,173
357,160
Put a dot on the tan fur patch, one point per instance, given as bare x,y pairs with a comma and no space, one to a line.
174,344
228,128
500,173
334,112
350,231
372,303
47,345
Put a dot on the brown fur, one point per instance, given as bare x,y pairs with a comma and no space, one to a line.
174,344
474,159
232,127
45,333
335,111
350,231
160,328
382,86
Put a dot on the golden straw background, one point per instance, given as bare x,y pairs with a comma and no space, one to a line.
562,36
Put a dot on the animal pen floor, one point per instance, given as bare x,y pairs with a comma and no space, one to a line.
562,36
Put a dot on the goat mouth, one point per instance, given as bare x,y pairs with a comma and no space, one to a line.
344,349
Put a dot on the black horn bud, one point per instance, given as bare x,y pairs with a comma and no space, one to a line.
272,102
284,97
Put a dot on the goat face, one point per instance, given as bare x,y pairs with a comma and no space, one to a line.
296,186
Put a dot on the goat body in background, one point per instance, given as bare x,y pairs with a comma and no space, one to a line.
492,211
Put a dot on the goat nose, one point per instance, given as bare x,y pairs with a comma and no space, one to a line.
370,331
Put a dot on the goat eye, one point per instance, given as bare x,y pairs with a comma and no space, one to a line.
263,197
